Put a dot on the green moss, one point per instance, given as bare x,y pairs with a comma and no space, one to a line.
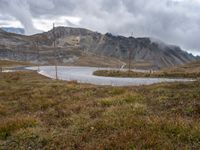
117,91
120,100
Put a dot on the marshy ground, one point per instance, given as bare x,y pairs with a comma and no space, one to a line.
40,113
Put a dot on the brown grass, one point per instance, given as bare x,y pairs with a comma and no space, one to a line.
159,74
191,70
98,61
8,63
40,113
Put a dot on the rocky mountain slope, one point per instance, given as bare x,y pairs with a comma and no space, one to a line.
73,43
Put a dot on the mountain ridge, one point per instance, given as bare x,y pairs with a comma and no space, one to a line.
72,42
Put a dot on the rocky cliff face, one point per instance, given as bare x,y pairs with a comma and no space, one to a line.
74,42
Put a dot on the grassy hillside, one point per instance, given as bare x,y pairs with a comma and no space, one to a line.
8,63
97,61
40,113
191,70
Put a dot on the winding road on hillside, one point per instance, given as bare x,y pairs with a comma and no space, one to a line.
85,75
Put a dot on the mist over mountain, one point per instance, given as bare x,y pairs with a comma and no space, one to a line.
76,42
14,30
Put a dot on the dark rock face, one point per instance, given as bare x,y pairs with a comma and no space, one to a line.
72,42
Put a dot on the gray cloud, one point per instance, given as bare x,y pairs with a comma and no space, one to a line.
173,21
20,10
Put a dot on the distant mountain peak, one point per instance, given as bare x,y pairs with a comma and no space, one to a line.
1,30
14,30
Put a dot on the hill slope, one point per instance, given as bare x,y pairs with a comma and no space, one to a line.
74,43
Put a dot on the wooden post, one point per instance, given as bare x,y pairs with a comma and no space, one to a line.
38,55
129,58
54,45
129,61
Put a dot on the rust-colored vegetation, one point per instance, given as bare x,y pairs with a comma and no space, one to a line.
40,113
191,70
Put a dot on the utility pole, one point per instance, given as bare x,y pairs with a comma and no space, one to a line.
129,58
54,45
129,61
35,46
38,55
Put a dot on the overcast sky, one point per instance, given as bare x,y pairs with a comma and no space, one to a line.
172,21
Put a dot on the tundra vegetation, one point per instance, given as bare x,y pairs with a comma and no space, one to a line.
191,70
40,113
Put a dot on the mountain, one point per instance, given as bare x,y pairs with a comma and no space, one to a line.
14,30
74,43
